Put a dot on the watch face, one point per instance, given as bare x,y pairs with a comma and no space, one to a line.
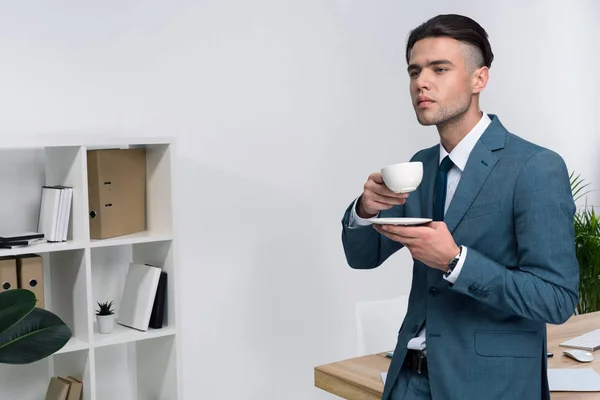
451,266
453,263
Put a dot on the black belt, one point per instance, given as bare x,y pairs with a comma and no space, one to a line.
416,360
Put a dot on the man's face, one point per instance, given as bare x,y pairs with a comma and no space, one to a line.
440,82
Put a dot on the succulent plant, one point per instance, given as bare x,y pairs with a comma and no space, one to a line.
105,308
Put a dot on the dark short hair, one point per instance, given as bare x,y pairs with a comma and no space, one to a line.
458,27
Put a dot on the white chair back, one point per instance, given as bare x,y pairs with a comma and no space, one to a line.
378,323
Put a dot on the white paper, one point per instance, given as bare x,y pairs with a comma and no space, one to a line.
573,380
383,376
417,343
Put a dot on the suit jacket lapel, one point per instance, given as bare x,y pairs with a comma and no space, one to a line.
481,162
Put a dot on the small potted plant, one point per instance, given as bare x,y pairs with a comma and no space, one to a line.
106,317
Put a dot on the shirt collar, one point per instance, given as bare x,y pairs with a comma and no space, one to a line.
460,154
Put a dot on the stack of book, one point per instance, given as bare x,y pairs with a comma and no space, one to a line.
21,239
55,211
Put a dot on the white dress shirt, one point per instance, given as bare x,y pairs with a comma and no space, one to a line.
459,156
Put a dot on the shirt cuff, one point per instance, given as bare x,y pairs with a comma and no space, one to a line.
356,221
456,271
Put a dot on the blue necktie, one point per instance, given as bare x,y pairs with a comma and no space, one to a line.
441,182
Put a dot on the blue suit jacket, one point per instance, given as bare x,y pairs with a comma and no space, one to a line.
486,333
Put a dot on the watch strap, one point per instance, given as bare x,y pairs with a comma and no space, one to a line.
453,263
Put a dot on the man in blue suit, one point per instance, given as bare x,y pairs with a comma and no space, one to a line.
498,261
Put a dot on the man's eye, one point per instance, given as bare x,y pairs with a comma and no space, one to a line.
440,70
413,74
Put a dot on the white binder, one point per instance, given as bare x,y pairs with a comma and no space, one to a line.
55,211
49,211
138,296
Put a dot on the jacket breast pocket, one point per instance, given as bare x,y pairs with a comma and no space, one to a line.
519,344
480,210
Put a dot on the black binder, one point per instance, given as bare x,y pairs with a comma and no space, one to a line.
158,308
20,236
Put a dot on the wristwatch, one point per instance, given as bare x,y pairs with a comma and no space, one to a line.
453,263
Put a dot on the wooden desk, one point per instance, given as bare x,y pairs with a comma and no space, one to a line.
359,378
575,326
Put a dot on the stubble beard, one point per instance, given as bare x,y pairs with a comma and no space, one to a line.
445,115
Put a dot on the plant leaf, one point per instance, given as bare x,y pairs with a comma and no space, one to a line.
37,336
576,186
14,306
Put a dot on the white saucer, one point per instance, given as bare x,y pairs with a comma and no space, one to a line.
400,221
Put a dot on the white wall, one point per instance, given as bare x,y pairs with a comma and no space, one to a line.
282,109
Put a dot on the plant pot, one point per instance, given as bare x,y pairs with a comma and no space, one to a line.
106,323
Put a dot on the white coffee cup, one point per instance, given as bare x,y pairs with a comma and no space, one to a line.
403,177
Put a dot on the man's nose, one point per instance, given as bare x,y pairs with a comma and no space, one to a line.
423,81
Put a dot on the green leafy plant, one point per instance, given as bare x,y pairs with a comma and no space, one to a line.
587,245
28,334
105,308
587,248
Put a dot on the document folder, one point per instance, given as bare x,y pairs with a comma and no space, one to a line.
30,274
8,274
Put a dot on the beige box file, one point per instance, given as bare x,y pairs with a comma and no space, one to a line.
75,388
8,273
30,274
58,389
116,191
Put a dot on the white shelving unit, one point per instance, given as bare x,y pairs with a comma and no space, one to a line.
126,364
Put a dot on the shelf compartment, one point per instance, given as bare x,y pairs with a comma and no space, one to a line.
109,267
65,288
137,370
67,166
78,365
158,201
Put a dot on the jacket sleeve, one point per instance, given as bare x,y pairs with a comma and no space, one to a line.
544,285
364,247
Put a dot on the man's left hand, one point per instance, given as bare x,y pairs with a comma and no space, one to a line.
432,244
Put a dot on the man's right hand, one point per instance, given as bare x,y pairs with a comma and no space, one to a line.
377,197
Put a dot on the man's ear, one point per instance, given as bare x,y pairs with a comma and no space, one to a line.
479,79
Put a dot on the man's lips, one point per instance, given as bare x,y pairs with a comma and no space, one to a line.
423,101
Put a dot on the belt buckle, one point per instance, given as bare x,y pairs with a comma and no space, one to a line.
420,357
